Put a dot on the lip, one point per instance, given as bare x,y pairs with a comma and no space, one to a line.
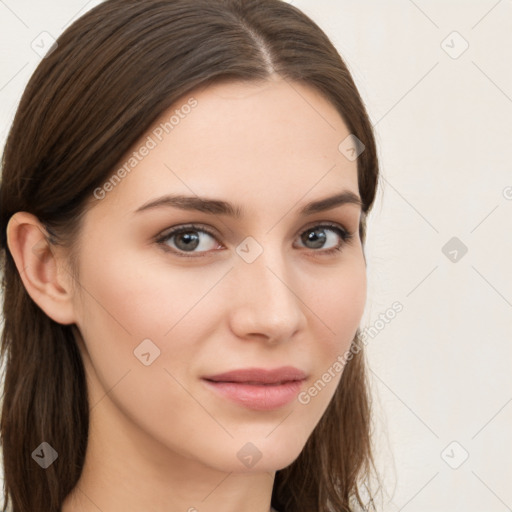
258,388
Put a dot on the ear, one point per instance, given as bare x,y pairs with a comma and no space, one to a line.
42,270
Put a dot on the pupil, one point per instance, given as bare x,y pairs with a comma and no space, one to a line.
190,240
316,236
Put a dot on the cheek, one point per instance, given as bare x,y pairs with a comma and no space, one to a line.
338,307
128,302
139,296
131,300
339,304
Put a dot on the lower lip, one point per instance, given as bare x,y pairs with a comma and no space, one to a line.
258,397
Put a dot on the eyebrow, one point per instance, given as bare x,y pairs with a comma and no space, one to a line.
219,207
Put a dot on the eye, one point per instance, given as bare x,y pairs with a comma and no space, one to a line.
192,240
326,237
189,239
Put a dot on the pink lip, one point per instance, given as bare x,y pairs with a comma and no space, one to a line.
258,388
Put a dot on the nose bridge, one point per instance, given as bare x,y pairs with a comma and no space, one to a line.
266,302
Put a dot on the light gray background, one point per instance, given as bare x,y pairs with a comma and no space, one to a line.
440,367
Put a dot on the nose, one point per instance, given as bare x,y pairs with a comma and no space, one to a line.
266,300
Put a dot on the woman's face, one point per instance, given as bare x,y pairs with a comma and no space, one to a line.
274,285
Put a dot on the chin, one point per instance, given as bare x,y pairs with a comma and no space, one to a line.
264,454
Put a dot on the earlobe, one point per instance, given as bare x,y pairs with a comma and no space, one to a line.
41,270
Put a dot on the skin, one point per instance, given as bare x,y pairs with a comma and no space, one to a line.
159,439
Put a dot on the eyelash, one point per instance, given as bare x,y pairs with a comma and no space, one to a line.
344,234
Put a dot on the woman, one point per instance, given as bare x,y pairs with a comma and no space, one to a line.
183,212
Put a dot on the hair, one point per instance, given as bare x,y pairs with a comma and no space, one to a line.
111,75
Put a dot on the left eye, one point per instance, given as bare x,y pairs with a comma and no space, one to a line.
195,239
324,237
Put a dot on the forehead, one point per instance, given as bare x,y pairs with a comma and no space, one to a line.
272,140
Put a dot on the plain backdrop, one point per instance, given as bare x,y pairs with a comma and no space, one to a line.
436,77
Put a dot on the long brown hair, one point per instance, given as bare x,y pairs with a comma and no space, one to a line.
112,74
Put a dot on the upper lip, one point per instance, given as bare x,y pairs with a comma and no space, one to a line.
260,375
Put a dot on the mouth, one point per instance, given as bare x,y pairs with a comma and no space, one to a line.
257,388
254,383
259,376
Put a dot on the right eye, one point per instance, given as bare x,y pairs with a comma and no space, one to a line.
189,239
